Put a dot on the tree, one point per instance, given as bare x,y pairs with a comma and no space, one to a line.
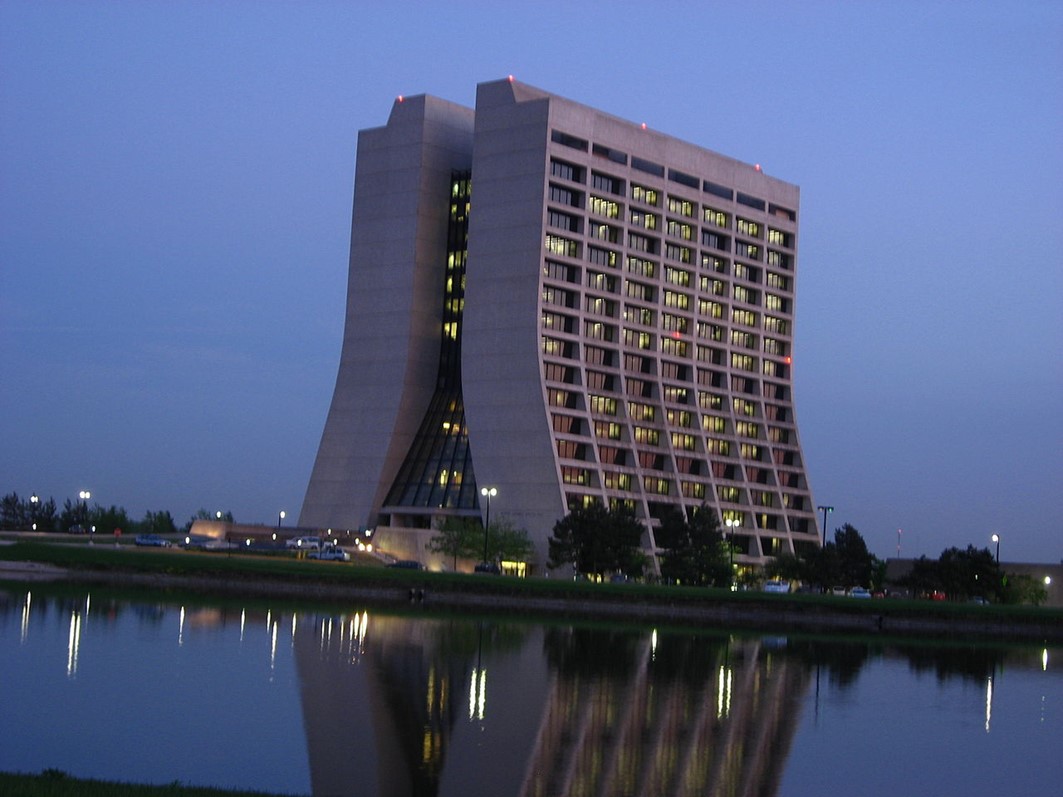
508,543
458,537
693,549
594,539
854,560
158,523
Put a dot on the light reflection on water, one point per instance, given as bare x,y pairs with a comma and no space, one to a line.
373,703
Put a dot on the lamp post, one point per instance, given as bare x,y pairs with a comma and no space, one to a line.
825,510
34,499
488,493
996,538
84,495
732,524
280,517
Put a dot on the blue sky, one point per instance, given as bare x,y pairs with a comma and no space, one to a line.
175,197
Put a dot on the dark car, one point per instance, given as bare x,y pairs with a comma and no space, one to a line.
487,567
152,540
407,564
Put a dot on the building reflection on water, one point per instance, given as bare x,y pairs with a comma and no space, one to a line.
394,705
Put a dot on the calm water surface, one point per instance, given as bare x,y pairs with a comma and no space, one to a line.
376,703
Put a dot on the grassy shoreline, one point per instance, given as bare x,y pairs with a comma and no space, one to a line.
272,577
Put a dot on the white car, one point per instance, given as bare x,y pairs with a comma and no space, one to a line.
776,585
304,543
859,592
331,552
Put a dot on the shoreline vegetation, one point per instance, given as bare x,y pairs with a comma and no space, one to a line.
367,582
177,574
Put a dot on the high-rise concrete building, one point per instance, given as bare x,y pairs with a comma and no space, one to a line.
567,307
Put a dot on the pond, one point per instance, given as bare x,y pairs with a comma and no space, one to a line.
370,702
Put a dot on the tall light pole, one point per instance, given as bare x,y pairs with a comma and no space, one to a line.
825,510
85,495
34,499
280,517
488,493
732,524
996,538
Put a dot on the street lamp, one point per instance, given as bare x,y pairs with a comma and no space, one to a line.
732,524
488,493
84,495
825,510
280,517
33,511
996,538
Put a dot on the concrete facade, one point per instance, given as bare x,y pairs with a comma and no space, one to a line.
624,328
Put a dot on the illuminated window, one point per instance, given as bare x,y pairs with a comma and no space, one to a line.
641,266
777,325
607,429
743,362
681,418
684,254
646,436
779,238
773,346
710,401
750,228
719,447
605,232
714,424
641,193
601,282
693,490
680,229
713,263
710,309
747,429
682,442
744,317
642,243
674,323
570,475
604,207
677,300
617,481
641,412
749,451
776,303
743,406
710,331
778,281
599,306
744,294
602,405
745,340
656,485
648,221
682,206
560,245
675,348
717,218
730,494
601,257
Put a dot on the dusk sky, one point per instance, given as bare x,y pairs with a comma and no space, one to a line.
176,182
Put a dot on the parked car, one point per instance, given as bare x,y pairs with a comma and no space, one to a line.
777,586
979,600
407,564
152,541
487,567
304,543
860,592
332,553
78,529
839,591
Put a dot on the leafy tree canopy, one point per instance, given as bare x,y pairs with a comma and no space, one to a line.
597,540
